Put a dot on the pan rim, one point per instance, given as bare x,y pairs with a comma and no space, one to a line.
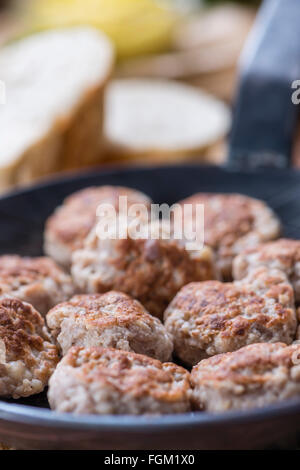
111,169
25,414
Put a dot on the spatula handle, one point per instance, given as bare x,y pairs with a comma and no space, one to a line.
265,115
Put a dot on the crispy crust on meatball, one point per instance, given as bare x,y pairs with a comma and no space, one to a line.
282,254
254,376
109,381
232,222
110,320
38,281
68,227
211,317
27,356
150,270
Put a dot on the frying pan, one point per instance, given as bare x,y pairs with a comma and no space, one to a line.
259,130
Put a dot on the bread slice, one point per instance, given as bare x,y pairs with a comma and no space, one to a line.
161,119
52,117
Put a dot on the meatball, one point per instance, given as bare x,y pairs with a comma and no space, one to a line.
282,254
209,318
231,223
150,270
108,381
27,355
112,320
68,227
254,376
38,281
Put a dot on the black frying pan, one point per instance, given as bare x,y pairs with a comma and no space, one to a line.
28,423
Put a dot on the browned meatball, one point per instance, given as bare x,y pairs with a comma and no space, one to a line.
27,355
111,320
38,281
232,222
282,254
68,227
150,270
109,381
254,376
209,318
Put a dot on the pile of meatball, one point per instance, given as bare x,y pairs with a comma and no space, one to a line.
146,326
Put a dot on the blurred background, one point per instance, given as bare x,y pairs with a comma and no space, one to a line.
167,97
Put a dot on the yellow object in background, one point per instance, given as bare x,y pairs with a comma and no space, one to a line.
135,26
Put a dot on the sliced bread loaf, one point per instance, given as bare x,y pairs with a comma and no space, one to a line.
52,115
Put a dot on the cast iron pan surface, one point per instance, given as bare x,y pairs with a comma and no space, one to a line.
28,423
